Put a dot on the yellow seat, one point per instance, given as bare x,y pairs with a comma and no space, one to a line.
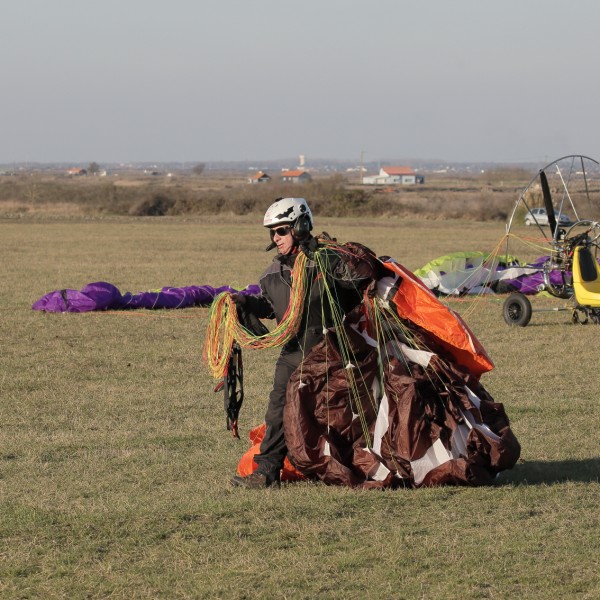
586,277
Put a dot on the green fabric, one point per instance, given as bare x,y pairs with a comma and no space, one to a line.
436,262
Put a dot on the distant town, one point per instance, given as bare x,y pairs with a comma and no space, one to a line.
368,172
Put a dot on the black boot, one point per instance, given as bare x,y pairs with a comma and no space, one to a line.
257,480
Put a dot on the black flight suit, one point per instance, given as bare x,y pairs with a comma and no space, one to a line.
276,283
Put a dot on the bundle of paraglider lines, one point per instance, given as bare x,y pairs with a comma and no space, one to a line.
224,327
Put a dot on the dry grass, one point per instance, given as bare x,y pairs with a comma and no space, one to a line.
229,194
114,459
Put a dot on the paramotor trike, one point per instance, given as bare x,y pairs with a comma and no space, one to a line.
571,271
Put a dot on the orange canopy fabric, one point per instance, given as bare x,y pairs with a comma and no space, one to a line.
415,302
246,466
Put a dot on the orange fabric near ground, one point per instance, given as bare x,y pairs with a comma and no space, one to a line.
246,466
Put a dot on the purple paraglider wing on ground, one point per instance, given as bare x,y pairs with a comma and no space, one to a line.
105,296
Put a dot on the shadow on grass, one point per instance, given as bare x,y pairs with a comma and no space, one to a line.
537,472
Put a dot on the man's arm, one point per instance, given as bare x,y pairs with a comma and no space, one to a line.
351,265
259,306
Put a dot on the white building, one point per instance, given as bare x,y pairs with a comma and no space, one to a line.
394,176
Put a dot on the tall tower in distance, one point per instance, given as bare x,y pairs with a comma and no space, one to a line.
302,162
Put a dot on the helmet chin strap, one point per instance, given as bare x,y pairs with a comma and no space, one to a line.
293,250
274,245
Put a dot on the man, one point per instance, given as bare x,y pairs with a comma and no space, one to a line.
290,223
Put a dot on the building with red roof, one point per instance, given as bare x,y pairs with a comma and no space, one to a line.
260,177
297,176
393,176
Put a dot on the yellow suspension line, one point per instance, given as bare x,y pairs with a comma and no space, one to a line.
224,327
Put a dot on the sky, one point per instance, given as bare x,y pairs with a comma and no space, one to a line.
211,80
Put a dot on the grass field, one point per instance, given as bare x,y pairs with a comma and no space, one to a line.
115,462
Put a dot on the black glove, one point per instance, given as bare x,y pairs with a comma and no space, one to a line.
309,247
238,299
246,317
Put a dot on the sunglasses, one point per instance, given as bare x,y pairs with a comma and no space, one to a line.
280,231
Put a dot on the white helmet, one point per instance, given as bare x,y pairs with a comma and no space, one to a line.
287,210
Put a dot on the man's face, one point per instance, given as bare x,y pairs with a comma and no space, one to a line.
282,236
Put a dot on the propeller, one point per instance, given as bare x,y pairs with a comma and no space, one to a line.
548,202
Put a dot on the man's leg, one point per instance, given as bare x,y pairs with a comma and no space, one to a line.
273,449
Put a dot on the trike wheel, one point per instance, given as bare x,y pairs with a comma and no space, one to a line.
517,310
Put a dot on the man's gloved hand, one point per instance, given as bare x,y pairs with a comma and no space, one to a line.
309,247
246,317
240,302
238,299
